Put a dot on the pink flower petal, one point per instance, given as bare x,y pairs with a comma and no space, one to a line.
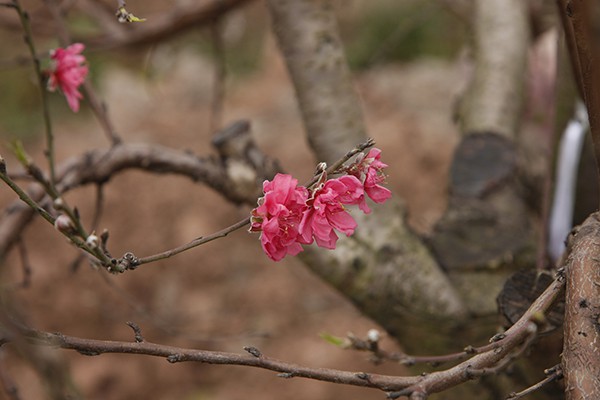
68,73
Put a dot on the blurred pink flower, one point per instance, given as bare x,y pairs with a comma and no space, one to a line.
68,73
278,216
326,211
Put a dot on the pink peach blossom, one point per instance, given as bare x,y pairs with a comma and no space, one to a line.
68,73
289,215
278,216
369,170
326,212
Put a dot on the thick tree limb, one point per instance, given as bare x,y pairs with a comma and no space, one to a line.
384,263
495,96
308,37
581,352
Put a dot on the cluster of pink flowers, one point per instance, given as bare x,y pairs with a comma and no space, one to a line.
68,72
289,215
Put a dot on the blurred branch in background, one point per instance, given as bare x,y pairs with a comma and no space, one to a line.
176,20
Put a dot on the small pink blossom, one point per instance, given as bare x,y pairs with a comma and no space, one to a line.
369,170
68,73
326,212
278,216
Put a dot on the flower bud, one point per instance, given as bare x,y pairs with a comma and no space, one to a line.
64,224
59,203
373,335
92,241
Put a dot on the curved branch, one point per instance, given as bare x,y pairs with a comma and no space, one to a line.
91,347
239,184
439,381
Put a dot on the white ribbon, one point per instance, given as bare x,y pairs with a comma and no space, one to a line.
561,215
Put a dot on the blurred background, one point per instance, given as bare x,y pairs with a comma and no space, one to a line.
407,57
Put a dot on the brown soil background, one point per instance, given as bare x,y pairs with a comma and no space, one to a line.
224,295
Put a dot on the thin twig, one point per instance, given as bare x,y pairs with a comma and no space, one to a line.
98,208
194,243
25,197
552,374
434,360
506,361
24,18
48,217
91,347
139,338
334,168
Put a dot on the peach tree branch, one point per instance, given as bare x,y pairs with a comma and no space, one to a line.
514,340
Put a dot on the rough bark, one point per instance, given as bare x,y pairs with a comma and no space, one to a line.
581,361
581,352
309,40
495,96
